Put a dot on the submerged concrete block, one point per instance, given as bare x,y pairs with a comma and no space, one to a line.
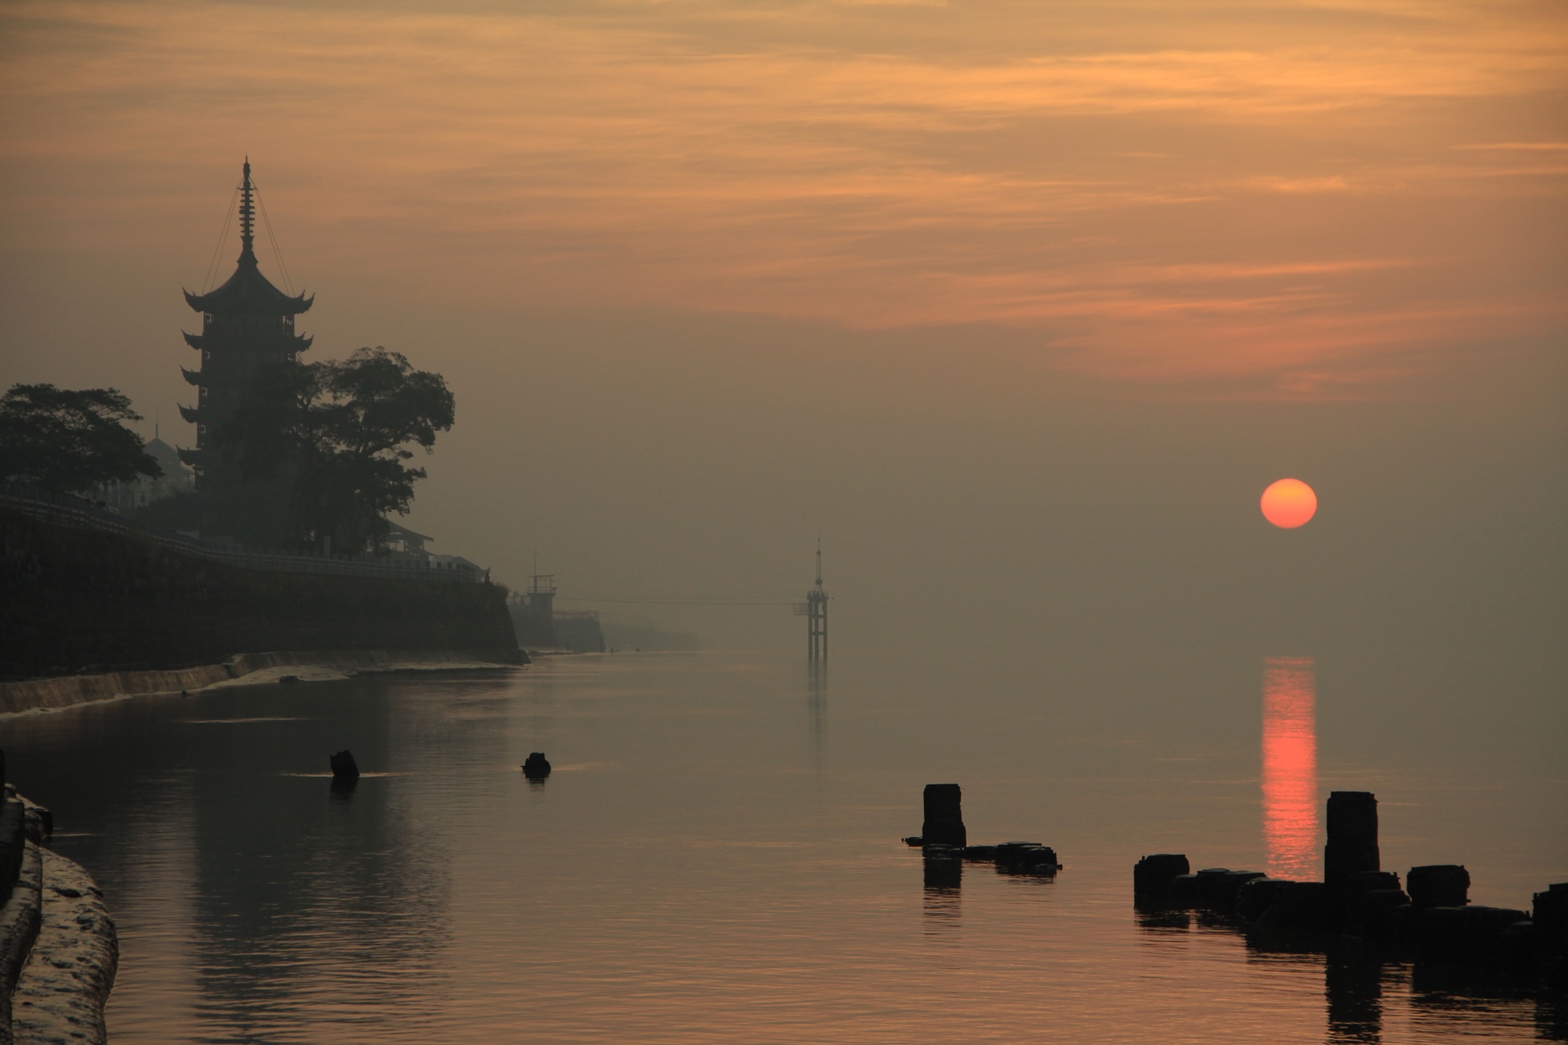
1298,907
1256,895
944,817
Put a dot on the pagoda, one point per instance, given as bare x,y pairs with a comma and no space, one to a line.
246,323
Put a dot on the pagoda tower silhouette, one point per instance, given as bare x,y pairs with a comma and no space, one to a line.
246,323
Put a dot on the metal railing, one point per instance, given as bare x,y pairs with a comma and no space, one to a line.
76,512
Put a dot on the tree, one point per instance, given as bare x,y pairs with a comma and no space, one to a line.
70,441
339,434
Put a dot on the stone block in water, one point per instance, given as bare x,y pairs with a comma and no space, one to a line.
1475,935
536,766
1026,858
1183,890
1438,885
1352,836
343,766
1218,891
1376,914
1255,896
1152,875
1298,907
1551,918
944,822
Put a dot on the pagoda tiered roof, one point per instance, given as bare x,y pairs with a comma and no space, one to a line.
249,291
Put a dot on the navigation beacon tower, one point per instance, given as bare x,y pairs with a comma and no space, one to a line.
817,618
245,323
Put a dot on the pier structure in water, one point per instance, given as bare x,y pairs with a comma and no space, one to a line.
815,610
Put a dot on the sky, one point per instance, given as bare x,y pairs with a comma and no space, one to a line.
1020,306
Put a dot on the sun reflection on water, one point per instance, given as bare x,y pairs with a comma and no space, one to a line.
1290,767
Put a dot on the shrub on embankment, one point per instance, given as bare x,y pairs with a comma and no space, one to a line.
77,599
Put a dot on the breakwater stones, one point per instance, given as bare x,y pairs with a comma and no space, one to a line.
536,766
1358,899
944,842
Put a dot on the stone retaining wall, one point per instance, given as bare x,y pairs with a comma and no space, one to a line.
65,691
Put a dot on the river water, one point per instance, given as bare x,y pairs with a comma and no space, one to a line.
716,857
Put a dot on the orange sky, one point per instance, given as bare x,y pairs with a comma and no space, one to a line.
1319,199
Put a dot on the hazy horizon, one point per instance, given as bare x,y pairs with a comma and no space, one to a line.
1020,310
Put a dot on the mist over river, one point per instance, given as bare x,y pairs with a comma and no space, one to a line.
716,857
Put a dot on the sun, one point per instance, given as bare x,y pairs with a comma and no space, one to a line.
1289,503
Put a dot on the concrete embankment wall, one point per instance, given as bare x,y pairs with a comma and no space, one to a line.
87,602
63,691
58,947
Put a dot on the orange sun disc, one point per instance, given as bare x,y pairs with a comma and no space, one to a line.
1289,503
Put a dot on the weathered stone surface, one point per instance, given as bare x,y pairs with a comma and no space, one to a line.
19,922
60,997
1352,836
536,767
944,817
1152,875
1026,858
1438,885
1377,915
343,766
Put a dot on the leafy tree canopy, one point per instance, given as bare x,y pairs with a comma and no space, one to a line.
340,432
69,441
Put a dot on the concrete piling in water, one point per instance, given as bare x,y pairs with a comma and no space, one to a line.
1352,837
944,816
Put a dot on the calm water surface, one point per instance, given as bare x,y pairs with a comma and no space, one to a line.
716,856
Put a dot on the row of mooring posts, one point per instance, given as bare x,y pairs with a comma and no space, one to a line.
1430,914
944,843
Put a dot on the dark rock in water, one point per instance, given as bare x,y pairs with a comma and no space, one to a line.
1352,888
1551,918
1255,896
944,823
914,841
343,786
1438,885
1378,913
288,680
1473,935
343,766
1298,907
1217,890
1152,875
537,767
1183,890
1026,858
1352,836
980,852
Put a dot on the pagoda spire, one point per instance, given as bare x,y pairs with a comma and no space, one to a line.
247,216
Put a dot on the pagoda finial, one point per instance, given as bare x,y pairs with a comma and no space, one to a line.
247,215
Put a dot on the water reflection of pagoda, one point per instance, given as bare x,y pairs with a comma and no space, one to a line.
246,322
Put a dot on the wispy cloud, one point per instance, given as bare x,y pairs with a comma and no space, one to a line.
1167,191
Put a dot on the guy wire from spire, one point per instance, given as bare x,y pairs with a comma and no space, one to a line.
217,251
276,253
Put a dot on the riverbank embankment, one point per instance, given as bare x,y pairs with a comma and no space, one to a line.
84,597
65,691
58,948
